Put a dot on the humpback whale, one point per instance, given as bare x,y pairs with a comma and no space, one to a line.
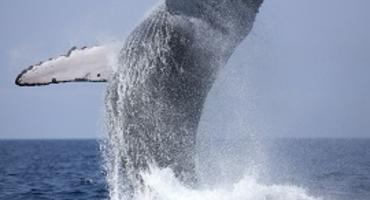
155,96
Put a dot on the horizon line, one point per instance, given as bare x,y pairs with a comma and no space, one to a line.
263,138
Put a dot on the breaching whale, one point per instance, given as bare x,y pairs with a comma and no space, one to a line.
165,70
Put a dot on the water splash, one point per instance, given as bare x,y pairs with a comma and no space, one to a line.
162,185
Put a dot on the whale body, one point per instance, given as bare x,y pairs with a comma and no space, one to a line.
165,70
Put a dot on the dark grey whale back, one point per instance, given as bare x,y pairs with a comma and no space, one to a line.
166,68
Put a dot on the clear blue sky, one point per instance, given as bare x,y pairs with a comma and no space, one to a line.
304,71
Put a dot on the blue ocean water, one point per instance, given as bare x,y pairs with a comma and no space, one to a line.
51,169
333,169
337,169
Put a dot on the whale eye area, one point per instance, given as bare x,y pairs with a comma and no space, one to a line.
98,75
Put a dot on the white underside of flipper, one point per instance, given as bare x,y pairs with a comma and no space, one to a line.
79,65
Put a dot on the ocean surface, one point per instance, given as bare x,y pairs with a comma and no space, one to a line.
333,169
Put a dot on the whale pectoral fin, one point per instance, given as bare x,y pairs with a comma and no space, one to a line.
78,65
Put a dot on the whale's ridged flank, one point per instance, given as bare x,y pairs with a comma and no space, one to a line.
152,105
166,69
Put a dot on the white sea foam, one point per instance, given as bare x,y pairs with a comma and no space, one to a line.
162,185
